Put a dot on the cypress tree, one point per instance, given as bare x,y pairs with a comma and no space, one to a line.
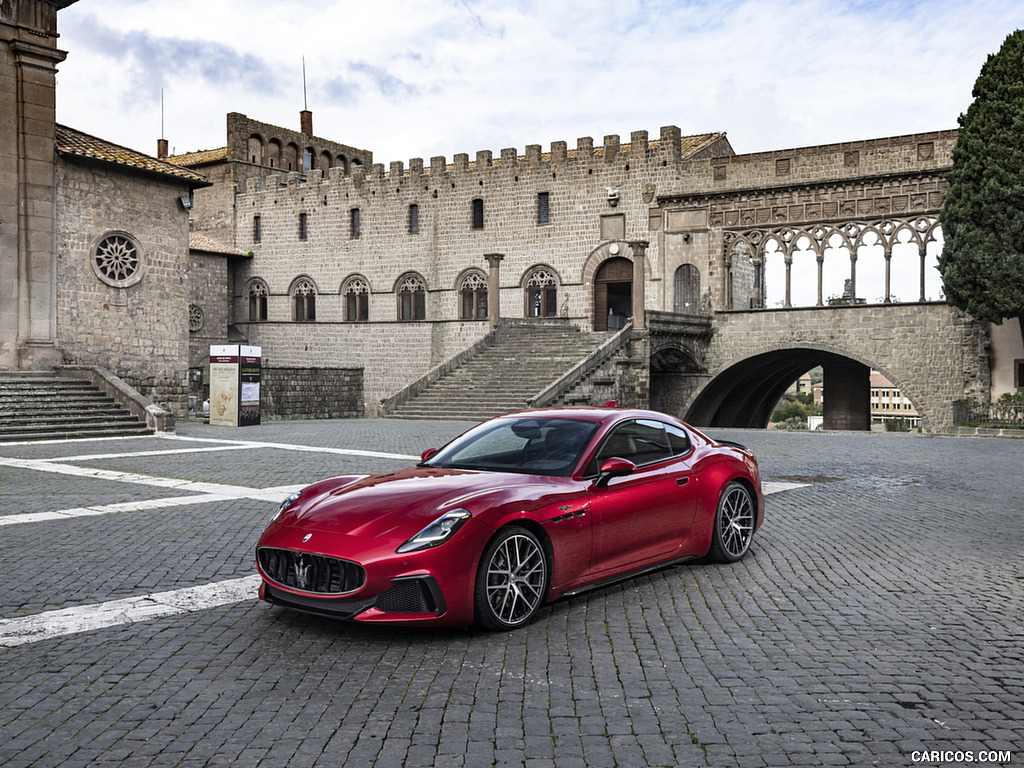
982,261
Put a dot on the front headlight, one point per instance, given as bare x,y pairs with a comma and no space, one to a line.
438,532
285,504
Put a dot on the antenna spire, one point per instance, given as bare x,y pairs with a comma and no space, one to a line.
305,103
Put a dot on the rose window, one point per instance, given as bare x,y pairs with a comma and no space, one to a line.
116,260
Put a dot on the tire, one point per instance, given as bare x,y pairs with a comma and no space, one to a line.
734,524
511,581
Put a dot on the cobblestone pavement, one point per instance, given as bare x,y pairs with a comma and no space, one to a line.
877,617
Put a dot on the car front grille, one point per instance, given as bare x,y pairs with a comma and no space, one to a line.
310,573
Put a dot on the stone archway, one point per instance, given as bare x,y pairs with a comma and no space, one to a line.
744,394
613,294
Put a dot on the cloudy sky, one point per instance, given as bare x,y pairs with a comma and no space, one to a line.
419,78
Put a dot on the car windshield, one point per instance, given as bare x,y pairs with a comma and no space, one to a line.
532,445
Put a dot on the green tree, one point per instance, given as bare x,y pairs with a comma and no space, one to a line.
982,261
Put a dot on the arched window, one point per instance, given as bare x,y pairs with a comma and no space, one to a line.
307,159
291,157
324,161
258,301
542,293
473,296
274,153
304,297
687,290
412,298
357,299
255,150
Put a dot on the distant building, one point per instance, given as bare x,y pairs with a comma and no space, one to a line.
887,402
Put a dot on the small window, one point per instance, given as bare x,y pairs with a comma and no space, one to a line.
307,159
414,219
354,227
303,226
542,208
257,302
257,228
478,213
1018,374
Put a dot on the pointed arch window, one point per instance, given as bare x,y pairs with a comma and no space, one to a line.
473,296
304,299
542,293
412,299
258,302
357,300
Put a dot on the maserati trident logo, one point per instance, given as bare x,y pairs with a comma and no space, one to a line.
302,573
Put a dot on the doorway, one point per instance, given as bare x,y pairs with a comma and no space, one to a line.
613,294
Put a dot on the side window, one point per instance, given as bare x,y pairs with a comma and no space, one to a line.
641,441
678,440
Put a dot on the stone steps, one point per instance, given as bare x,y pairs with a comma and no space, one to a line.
37,406
505,376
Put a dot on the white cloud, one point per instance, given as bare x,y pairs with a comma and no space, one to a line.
418,78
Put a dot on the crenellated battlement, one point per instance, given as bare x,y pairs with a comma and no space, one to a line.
669,149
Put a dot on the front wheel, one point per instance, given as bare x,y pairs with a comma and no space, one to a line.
511,580
734,524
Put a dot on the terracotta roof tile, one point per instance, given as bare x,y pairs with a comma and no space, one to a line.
200,157
72,142
198,242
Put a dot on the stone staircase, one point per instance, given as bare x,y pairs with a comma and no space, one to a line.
38,406
505,376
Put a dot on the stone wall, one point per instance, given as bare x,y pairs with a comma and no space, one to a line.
311,393
391,355
137,327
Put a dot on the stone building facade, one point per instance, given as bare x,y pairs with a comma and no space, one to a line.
388,268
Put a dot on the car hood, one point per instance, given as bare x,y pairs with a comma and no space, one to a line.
399,504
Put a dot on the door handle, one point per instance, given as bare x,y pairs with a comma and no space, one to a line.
682,481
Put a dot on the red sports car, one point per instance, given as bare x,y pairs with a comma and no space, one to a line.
514,513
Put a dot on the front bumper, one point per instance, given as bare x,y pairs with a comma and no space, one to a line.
432,586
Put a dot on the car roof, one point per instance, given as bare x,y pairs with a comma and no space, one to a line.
604,414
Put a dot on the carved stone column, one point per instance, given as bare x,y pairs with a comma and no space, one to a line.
493,288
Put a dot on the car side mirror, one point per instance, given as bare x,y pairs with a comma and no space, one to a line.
614,467
427,454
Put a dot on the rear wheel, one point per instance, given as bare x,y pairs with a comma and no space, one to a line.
511,581
734,524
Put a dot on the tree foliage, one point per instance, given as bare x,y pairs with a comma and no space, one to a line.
982,261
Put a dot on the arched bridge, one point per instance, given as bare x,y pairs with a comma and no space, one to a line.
931,351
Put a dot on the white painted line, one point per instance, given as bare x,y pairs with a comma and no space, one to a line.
275,495
300,448
87,618
78,440
775,486
217,489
